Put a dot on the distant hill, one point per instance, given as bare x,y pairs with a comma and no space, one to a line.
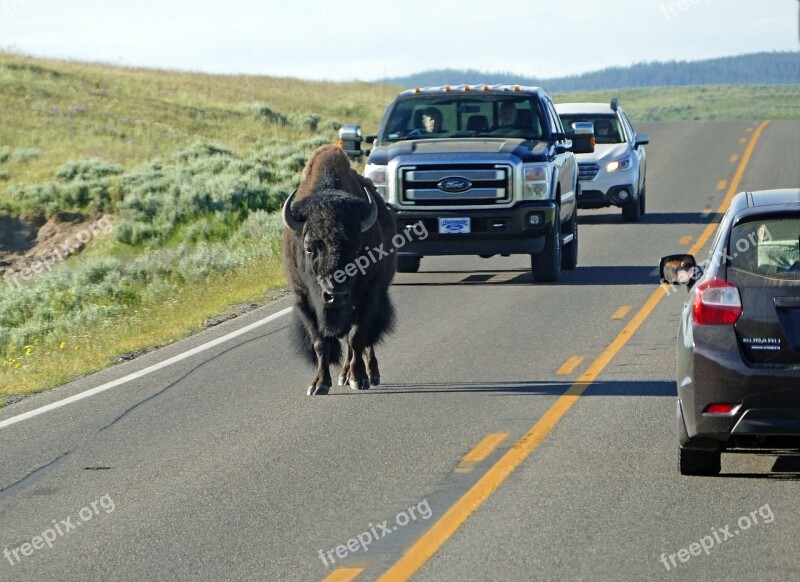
766,68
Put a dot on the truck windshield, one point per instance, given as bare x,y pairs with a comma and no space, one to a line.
467,115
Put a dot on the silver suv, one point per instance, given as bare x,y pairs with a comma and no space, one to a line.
614,175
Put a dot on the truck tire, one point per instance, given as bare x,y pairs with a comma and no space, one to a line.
408,264
546,266
569,253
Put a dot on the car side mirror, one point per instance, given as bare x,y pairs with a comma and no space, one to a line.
679,270
641,139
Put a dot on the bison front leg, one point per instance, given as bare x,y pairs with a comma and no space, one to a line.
321,383
359,380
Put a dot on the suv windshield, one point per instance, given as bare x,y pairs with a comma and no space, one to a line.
607,128
767,248
466,115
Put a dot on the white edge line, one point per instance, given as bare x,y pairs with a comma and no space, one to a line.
141,373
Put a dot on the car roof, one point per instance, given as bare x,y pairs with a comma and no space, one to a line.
762,198
591,108
474,88
761,202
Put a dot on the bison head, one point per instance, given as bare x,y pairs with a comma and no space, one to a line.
328,227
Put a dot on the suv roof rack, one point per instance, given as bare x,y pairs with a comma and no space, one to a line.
614,104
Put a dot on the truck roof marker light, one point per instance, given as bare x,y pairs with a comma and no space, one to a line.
466,88
417,90
447,88
486,87
517,88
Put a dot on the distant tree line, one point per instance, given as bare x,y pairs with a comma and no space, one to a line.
758,68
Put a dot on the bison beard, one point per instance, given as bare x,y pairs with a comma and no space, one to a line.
334,215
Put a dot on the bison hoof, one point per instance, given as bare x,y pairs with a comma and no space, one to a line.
318,390
375,380
342,380
362,385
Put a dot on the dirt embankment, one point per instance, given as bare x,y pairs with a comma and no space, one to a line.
23,243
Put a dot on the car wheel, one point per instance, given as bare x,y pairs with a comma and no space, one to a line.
694,462
642,199
632,212
408,264
546,266
569,253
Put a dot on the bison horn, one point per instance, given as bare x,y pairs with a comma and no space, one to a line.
289,220
367,223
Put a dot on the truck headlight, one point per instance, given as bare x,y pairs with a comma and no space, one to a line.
534,183
378,176
618,165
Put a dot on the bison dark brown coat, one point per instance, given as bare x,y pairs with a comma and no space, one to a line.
335,221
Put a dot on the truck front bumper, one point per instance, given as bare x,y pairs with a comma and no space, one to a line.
503,231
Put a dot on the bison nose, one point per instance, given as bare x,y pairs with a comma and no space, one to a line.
334,297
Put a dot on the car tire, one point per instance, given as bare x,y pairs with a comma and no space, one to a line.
546,266
569,252
632,212
408,264
695,462
642,199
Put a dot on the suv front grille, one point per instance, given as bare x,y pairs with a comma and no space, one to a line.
587,171
483,184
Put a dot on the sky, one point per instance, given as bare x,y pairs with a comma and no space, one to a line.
345,40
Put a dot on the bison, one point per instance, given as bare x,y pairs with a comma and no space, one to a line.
338,262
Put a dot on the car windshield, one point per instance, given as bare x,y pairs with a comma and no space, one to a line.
466,115
768,248
607,128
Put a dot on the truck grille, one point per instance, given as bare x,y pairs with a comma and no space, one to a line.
587,171
438,185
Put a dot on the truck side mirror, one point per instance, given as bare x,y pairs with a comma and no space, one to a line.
350,140
582,137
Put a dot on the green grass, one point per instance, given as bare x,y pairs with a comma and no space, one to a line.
190,168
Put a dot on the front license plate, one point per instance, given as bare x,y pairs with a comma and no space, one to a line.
454,226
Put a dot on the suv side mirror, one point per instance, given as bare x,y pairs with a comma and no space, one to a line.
640,139
679,270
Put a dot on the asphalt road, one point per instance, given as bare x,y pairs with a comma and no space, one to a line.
219,467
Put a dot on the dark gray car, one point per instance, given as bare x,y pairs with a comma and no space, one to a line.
739,338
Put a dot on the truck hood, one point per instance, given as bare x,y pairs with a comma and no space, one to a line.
604,153
525,150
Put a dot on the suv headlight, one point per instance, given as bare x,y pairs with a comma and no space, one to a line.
378,176
618,165
535,185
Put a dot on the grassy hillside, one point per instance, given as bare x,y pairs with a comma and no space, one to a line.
186,171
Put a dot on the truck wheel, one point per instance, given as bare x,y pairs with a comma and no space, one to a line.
546,266
632,212
569,253
408,264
